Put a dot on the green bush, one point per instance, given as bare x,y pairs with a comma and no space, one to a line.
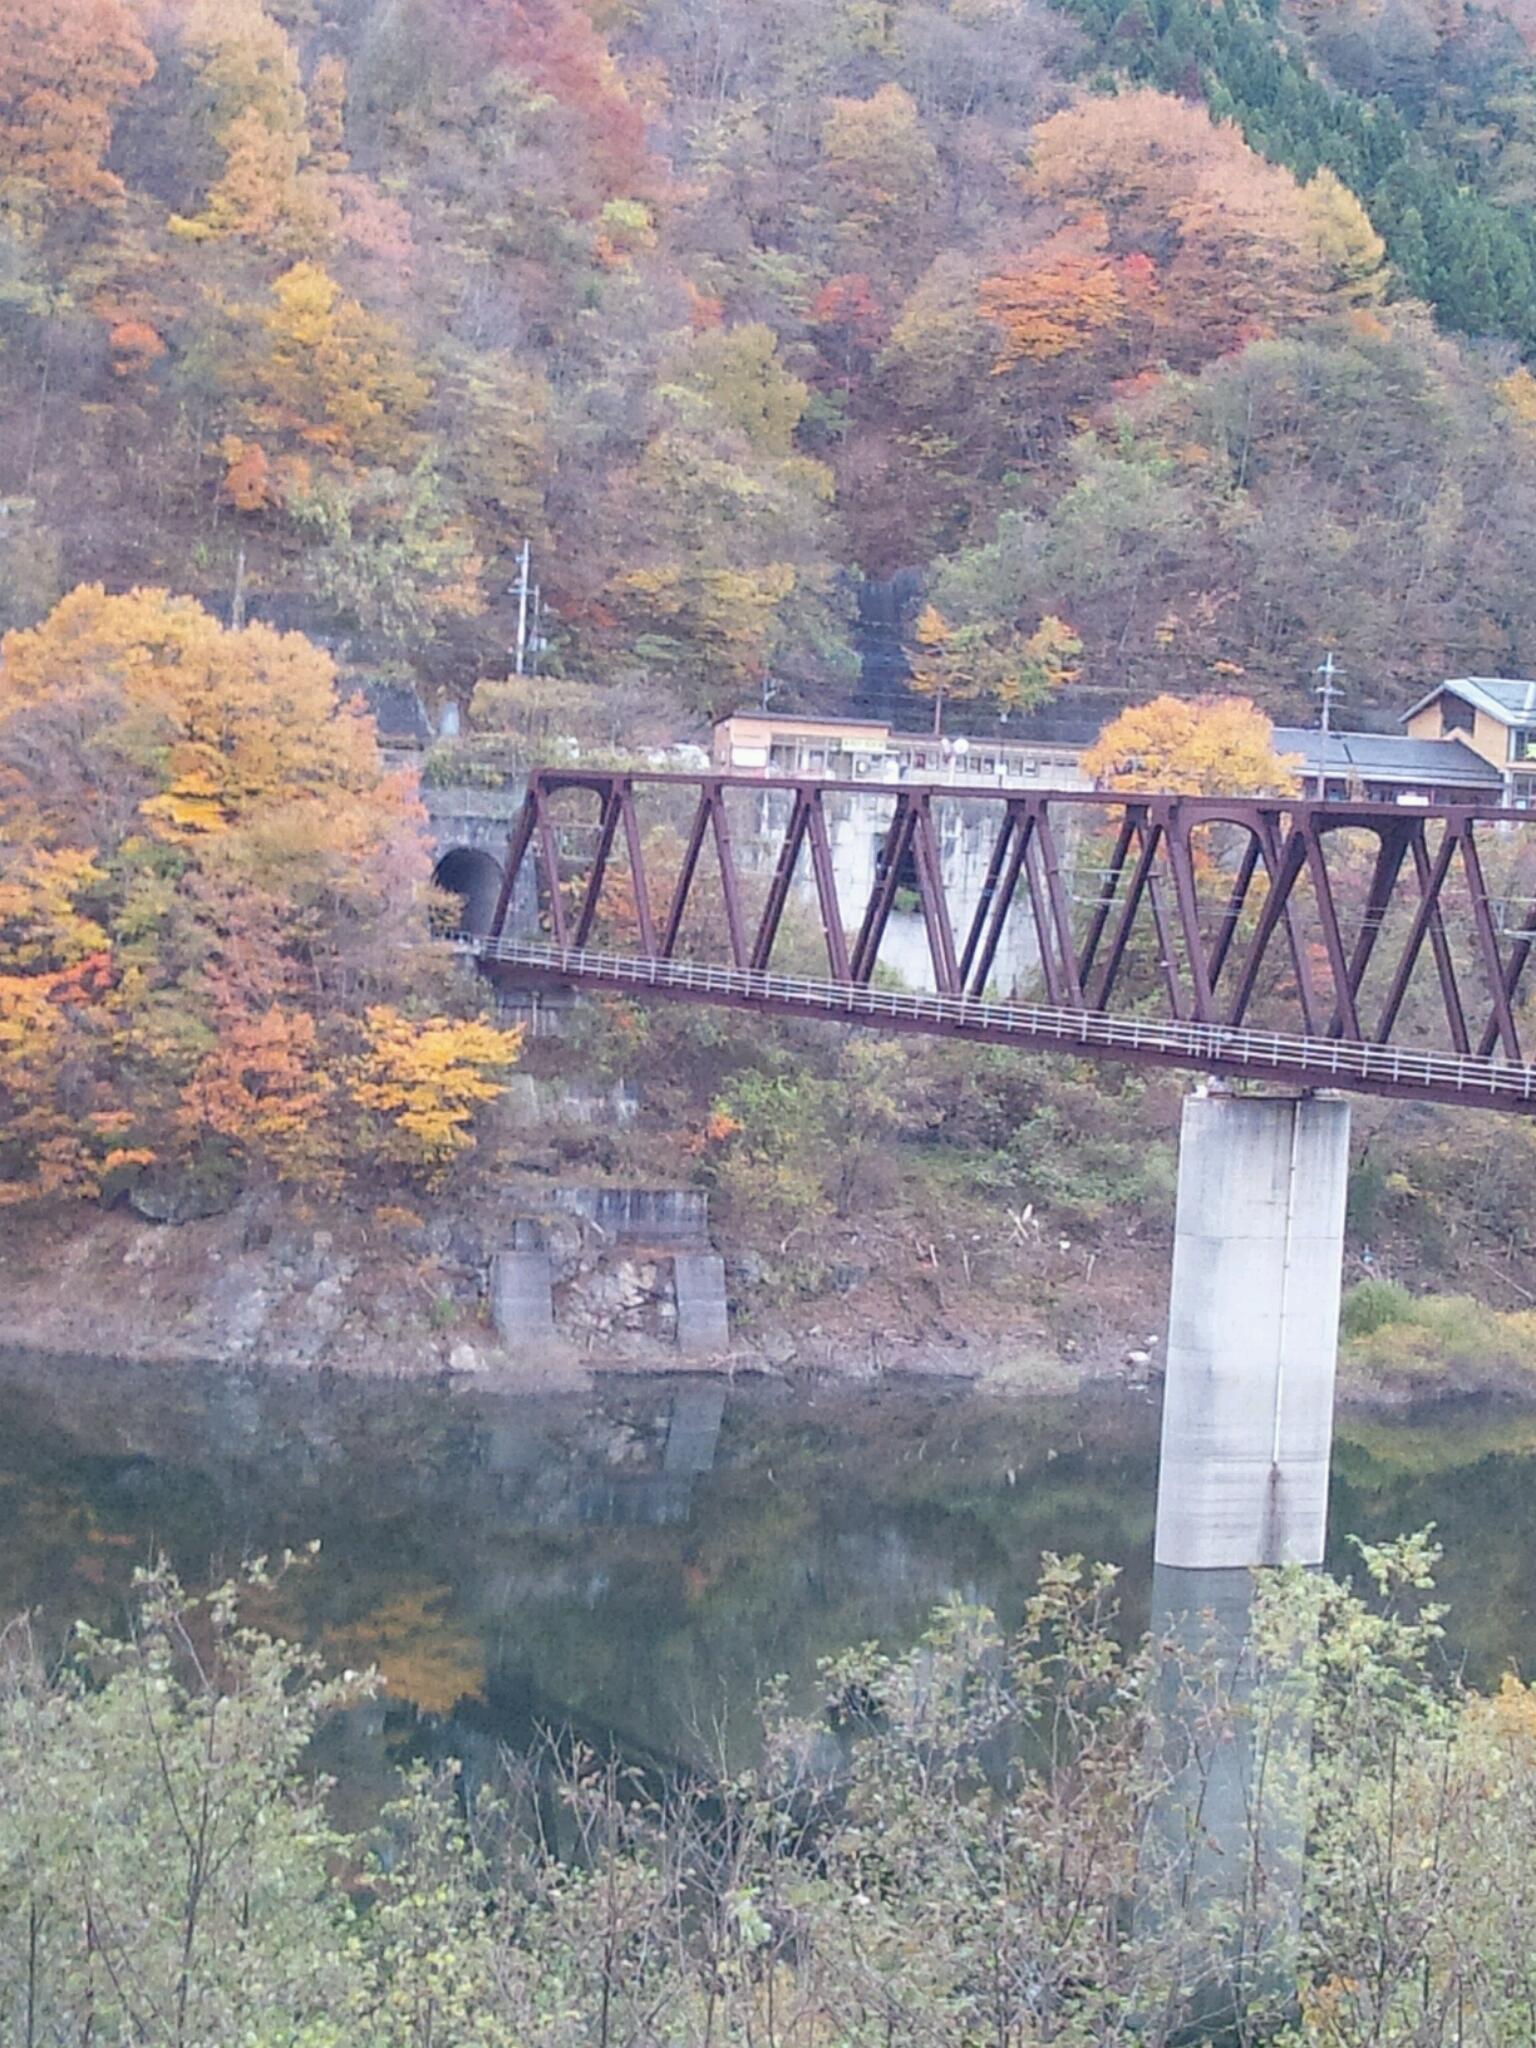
1372,1305
1389,1331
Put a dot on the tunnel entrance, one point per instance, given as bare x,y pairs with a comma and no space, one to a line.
475,878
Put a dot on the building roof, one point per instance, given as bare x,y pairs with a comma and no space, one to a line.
397,711
1509,699
802,721
1033,737
1389,757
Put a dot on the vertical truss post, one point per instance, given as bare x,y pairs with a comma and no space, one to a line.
1167,957
730,895
1144,837
547,858
824,869
518,840
607,830
1231,916
783,874
1181,858
1520,953
1040,909
1283,866
643,922
930,893
1015,836
877,911
988,894
1391,851
1109,883
691,852
1344,1022
1061,910
1503,1017
1150,834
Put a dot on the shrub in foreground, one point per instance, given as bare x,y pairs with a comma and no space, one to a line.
993,1839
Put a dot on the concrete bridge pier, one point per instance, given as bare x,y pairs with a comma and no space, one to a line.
1242,1483
1252,1331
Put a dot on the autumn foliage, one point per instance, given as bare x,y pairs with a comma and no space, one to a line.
1076,312
1068,293
210,892
1213,746
65,66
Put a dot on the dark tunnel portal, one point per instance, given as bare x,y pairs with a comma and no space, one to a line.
475,879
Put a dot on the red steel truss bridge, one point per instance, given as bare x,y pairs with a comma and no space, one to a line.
1371,947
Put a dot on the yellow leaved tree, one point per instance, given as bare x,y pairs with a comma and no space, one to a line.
1205,746
421,1082
990,659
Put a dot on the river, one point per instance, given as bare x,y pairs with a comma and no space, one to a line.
633,1564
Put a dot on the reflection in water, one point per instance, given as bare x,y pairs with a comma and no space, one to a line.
636,1562
1222,1864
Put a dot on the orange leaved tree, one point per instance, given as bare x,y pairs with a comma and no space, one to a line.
1233,243
65,65
211,888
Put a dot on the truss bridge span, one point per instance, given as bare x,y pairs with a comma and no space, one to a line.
1369,947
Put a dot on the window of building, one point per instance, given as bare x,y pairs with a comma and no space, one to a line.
1456,715
1522,744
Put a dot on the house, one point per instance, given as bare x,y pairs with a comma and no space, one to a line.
1389,767
1492,716
862,749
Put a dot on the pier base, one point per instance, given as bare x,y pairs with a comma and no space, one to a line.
703,1321
1222,1864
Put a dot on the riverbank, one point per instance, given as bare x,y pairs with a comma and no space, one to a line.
285,1287
282,1288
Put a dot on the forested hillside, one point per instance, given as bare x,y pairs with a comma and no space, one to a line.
1191,332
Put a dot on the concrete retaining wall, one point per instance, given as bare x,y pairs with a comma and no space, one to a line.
640,1215
522,1301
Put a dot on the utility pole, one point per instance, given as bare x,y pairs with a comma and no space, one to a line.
524,565
1330,687
536,633
237,600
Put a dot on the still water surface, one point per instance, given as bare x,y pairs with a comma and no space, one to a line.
634,1563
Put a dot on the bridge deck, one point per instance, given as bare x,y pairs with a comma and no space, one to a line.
1207,1048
